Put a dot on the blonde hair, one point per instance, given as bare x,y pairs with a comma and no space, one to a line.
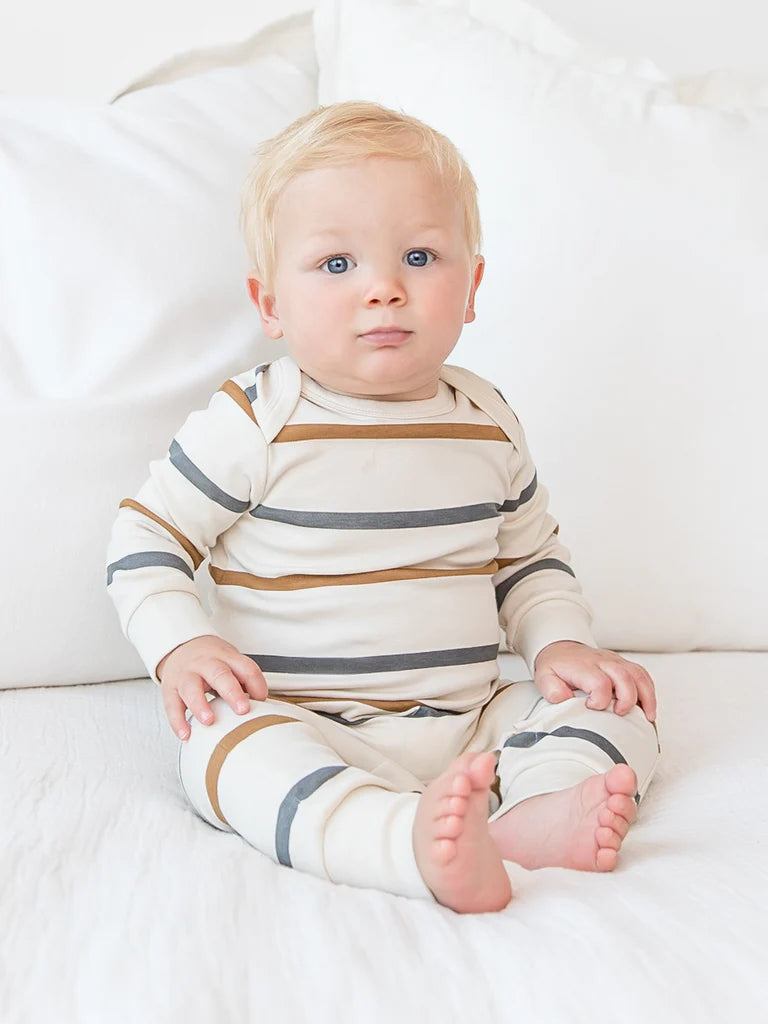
336,135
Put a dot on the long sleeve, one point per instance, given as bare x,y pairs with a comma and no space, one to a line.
537,594
214,473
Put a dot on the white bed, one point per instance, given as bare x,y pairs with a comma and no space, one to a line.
119,905
624,316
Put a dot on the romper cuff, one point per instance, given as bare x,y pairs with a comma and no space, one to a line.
162,622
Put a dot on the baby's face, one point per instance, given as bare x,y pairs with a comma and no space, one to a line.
377,243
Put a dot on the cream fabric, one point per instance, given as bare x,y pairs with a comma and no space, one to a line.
332,787
370,550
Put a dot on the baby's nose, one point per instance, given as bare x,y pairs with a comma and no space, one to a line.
385,290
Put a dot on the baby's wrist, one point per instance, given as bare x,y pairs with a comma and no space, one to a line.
184,643
557,646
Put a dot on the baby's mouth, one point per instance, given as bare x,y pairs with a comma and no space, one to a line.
388,336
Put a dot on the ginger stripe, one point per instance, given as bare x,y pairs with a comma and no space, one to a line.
225,747
188,546
226,577
238,395
381,705
329,431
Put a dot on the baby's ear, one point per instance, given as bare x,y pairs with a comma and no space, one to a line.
477,277
267,307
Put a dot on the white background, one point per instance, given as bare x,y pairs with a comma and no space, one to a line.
91,49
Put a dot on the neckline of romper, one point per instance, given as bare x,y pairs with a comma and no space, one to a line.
444,402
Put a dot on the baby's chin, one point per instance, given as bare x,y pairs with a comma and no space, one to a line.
389,388
388,382
382,382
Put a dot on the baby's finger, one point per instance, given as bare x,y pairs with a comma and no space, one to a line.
646,693
193,695
599,686
251,677
624,687
175,709
223,680
552,687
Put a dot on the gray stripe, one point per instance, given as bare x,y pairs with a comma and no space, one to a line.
339,719
525,495
546,563
252,393
377,663
529,739
424,712
378,520
188,469
304,788
421,712
145,558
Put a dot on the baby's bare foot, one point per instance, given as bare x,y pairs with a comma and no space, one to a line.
455,854
581,827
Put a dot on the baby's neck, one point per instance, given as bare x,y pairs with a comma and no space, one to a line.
421,394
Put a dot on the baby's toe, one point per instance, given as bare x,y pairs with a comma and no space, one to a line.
614,821
454,783
451,804
457,784
449,827
482,770
621,779
607,839
606,859
623,805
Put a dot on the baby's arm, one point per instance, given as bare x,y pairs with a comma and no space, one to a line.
542,610
213,473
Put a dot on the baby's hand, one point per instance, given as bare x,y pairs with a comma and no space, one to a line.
566,665
207,664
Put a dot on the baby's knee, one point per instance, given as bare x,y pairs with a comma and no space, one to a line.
638,739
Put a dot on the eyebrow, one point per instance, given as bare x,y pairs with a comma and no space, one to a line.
332,233
318,236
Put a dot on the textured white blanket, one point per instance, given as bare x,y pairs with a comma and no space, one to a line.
118,905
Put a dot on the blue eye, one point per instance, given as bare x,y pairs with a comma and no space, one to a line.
337,264
419,258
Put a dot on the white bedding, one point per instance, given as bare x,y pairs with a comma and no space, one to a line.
119,905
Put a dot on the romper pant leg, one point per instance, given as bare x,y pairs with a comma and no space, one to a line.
277,777
543,747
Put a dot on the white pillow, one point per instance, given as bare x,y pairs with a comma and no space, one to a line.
535,28
124,306
286,38
726,88
624,311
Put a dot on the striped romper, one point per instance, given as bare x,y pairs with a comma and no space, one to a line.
364,557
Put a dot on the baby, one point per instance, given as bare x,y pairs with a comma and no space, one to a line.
372,516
